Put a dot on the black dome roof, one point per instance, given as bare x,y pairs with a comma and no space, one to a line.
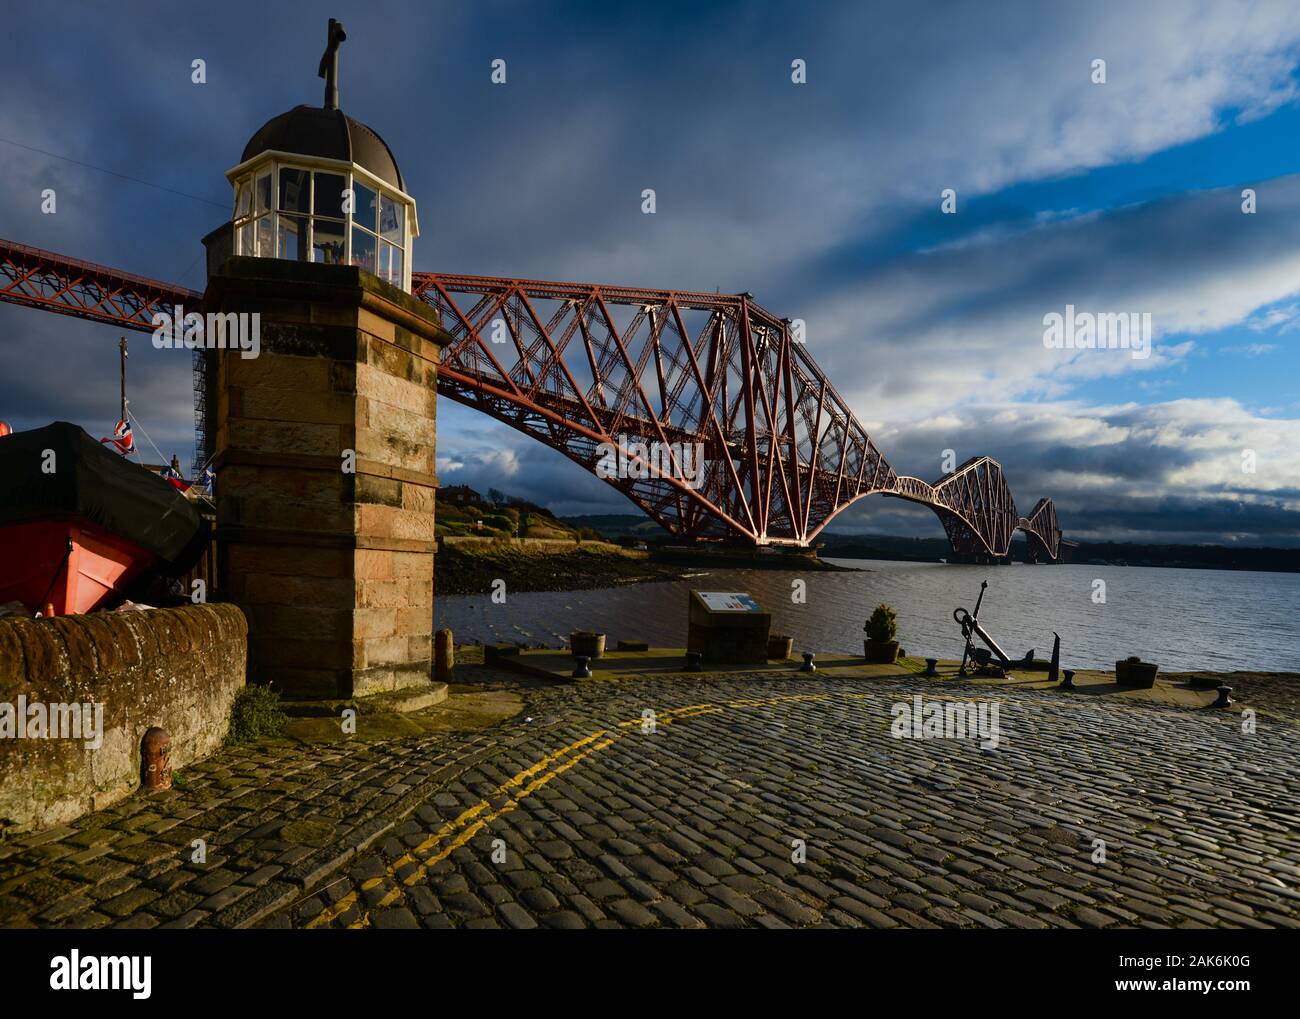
329,134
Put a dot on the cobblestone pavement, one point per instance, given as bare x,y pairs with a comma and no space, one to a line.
275,819
598,822
575,814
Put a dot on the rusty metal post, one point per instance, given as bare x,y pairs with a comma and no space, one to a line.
156,759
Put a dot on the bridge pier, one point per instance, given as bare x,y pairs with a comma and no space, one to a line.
325,476
978,559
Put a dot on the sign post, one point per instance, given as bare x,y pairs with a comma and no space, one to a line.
727,626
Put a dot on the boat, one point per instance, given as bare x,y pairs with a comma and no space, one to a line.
80,525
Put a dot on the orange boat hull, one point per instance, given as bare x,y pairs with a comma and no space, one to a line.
33,569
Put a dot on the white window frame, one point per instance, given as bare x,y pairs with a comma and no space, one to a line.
274,162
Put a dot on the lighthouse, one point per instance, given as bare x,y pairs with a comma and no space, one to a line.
324,442
316,185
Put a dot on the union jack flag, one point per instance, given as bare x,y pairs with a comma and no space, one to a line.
123,440
174,477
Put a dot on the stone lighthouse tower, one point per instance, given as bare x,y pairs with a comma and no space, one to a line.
323,445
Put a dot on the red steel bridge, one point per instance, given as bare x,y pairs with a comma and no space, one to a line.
588,368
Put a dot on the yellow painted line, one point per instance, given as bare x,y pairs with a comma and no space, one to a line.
478,808
540,765
508,806
425,856
328,915
418,874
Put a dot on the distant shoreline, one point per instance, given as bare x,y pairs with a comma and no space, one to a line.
839,545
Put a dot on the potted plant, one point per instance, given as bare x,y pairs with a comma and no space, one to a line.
779,647
880,646
588,644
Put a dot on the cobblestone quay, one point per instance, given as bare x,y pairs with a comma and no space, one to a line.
746,801
695,823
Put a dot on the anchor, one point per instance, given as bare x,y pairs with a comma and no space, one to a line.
983,657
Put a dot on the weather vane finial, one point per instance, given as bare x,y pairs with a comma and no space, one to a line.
329,64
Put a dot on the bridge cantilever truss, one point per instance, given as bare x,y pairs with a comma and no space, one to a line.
753,441
583,367
42,279
975,506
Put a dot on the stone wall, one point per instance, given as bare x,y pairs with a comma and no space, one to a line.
176,668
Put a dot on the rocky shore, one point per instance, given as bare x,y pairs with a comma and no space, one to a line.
460,570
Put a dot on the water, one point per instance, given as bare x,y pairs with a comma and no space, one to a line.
1182,619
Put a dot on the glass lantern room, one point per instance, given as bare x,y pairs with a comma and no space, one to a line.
320,210
315,185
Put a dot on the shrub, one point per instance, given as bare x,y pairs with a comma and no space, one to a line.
256,714
882,625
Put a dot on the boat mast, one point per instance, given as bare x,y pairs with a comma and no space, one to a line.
122,347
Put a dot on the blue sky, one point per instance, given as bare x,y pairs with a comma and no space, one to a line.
822,199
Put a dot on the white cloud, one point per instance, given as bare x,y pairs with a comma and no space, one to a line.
1169,471
947,326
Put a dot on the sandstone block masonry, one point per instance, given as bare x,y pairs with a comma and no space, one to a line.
325,469
176,668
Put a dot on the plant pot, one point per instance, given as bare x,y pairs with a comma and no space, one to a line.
1136,673
880,652
779,647
582,642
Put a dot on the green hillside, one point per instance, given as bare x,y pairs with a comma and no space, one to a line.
509,518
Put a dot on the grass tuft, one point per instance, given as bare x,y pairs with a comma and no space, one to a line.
256,714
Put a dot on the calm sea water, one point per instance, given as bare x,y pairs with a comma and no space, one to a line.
1181,619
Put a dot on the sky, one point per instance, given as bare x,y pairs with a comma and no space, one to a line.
823,199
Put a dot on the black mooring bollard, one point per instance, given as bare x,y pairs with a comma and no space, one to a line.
1068,682
1225,700
580,670
808,665
931,667
693,659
